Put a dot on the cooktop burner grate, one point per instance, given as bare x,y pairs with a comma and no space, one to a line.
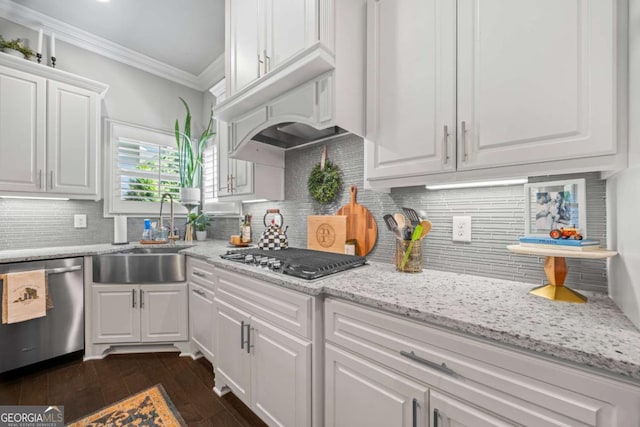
303,263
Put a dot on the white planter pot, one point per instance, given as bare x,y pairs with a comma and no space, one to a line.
201,235
13,52
190,195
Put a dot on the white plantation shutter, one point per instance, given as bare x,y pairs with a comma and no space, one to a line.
210,172
142,165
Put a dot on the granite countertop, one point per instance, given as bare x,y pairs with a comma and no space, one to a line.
596,334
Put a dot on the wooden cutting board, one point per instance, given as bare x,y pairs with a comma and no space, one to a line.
327,233
361,225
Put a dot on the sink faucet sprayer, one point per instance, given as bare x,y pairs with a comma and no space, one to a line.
172,237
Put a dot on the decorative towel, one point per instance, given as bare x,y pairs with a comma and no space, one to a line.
23,296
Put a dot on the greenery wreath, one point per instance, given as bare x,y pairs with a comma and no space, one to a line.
324,184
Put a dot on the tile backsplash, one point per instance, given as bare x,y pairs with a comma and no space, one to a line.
497,219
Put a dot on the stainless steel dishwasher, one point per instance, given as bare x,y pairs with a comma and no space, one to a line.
61,331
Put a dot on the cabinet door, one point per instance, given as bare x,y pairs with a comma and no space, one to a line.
201,319
449,412
233,364
242,177
163,312
410,87
536,81
245,34
116,316
72,139
360,393
22,131
281,376
289,29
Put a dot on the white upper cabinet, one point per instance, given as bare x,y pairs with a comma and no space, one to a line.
411,86
72,139
263,34
488,89
22,131
49,131
535,81
244,42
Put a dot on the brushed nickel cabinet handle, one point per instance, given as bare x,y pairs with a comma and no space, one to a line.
260,61
463,135
199,274
445,145
133,298
249,345
415,412
436,417
141,298
51,180
442,368
242,335
267,62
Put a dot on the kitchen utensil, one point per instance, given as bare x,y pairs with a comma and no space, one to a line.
411,216
361,225
406,232
426,227
422,214
273,238
392,225
327,233
401,220
417,232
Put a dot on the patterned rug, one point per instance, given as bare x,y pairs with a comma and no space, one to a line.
149,408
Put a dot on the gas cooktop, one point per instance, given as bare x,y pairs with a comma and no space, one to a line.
303,263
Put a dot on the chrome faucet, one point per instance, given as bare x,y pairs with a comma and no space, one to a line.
171,236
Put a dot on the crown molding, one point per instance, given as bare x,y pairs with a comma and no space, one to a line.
35,20
212,74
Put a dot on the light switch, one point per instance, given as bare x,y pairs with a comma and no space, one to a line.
80,220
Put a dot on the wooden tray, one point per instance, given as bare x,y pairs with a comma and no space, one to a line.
154,242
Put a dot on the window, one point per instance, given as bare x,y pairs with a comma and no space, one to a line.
141,165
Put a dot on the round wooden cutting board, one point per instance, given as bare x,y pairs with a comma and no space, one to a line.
361,225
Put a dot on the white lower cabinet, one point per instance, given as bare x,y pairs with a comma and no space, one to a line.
201,312
139,313
361,393
261,356
376,363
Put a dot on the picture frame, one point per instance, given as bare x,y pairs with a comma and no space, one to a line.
555,204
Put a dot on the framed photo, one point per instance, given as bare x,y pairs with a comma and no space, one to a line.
554,204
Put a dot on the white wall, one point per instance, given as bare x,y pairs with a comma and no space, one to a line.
134,96
623,194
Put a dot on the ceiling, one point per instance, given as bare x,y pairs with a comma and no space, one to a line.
186,34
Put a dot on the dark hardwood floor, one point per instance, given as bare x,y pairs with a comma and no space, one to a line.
84,387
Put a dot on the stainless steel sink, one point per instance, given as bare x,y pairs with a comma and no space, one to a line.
141,265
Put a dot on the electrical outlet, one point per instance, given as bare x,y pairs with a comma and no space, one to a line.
80,221
461,229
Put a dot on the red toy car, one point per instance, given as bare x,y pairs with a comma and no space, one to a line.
566,233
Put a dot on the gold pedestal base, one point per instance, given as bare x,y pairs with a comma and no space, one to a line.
556,270
559,293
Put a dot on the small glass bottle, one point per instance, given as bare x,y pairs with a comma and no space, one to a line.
246,229
146,233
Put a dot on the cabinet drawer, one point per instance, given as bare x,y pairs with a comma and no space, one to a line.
281,307
523,388
201,273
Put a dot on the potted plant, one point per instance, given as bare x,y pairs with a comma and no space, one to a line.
190,154
16,48
200,222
